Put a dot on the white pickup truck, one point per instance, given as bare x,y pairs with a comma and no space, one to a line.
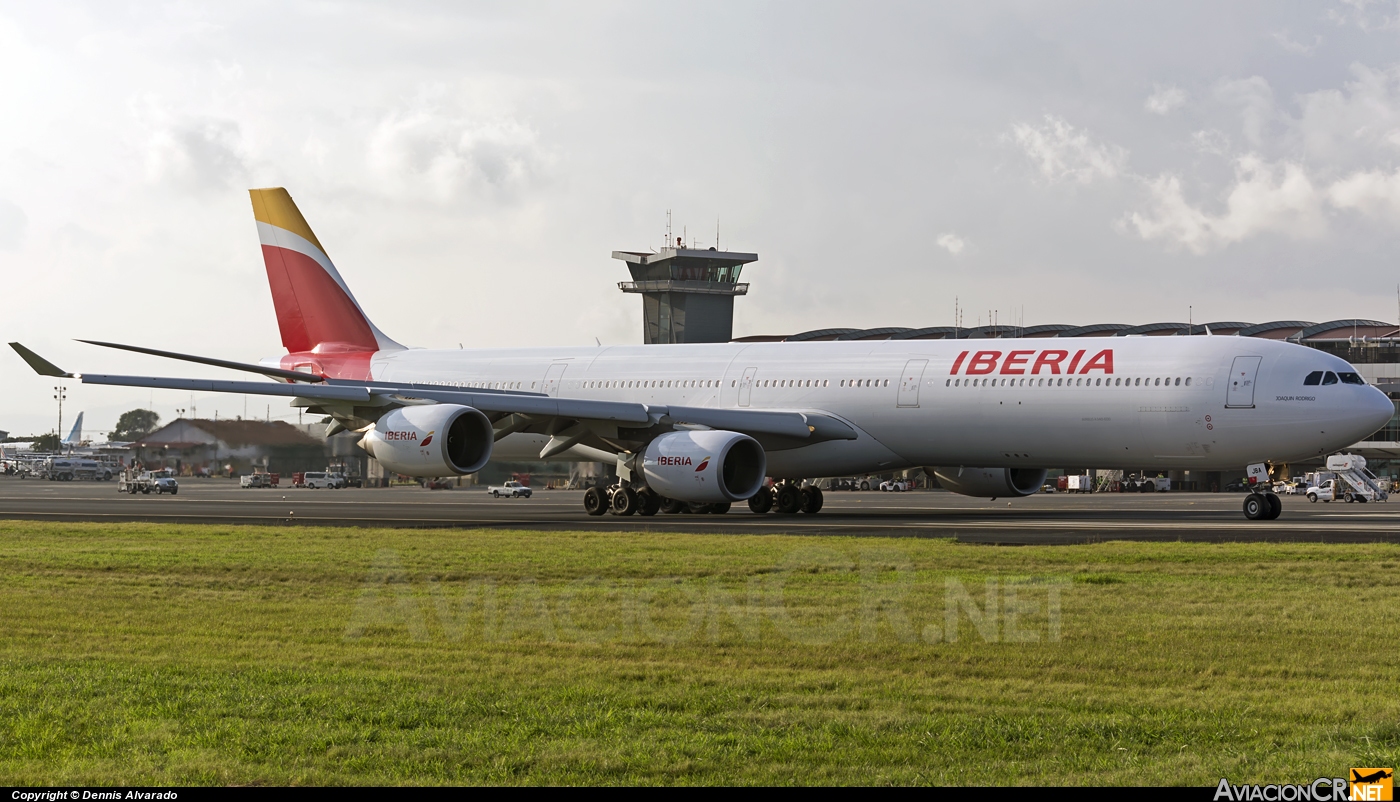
510,489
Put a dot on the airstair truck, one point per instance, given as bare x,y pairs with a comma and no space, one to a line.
1351,481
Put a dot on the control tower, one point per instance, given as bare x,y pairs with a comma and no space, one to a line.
687,294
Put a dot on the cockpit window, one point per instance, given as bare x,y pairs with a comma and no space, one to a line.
1329,378
1351,378
1313,378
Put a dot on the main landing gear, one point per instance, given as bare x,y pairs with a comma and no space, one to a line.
787,498
620,500
1262,506
784,497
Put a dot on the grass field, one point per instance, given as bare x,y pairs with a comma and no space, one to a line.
246,655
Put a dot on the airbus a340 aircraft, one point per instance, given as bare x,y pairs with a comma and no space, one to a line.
703,425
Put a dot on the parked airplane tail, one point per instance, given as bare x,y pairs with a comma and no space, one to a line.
76,436
315,310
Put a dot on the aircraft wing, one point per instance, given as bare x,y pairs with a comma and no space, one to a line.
626,421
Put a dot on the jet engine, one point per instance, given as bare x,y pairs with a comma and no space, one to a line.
431,440
990,482
704,466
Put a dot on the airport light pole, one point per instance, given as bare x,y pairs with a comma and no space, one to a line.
60,393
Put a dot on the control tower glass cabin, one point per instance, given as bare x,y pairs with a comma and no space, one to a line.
687,294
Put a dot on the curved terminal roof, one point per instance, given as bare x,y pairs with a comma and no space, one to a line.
1345,330
1277,330
1095,330
1153,330
930,333
872,334
817,334
1219,327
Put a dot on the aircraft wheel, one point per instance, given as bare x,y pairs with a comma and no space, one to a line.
595,501
1275,506
698,509
811,500
672,507
761,502
787,499
624,501
1255,507
720,508
649,503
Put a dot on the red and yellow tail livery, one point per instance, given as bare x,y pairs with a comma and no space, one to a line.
316,312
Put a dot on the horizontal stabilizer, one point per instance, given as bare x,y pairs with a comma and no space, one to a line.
276,373
41,366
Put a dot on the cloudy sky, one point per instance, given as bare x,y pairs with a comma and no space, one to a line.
470,167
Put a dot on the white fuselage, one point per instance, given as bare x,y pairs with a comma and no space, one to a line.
1151,402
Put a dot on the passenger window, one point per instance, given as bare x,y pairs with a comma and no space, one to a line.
1351,378
1188,381
1157,382
1178,381
1329,378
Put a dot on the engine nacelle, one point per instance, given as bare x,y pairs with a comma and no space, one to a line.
990,482
705,466
431,440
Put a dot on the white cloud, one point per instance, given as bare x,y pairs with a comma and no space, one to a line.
1211,141
1340,126
1285,42
447,156
1374,193
1265,197
1255,98
951,243
1358,13
1062,152
1165,99
200,155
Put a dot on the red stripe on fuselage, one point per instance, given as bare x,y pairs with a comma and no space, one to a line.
311,307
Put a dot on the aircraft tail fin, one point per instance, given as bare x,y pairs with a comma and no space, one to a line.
76,436
315,309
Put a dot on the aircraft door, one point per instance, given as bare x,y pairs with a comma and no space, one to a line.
1240,392
552,376
746,385
910,381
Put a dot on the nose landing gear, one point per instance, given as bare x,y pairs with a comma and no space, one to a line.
1262,506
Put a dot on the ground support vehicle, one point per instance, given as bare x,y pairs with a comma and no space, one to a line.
321,479
253,480
510,489
894,485
147,482
1349,481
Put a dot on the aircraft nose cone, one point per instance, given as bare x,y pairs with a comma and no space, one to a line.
1379,409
